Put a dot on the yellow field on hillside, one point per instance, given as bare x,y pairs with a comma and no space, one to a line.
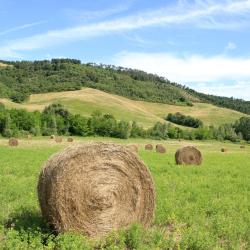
87,100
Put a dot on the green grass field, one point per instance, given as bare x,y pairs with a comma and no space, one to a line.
205,207
87,100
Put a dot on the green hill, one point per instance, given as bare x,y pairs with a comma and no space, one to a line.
87,100
22,79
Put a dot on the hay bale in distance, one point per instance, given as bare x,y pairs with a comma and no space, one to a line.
58,139
70,139
133,148
149,147
102,187
29,136
242,146
188,156
52,137
223,150
13,142
160,148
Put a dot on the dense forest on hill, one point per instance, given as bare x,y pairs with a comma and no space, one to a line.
20,79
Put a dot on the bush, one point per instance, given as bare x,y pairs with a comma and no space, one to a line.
184,120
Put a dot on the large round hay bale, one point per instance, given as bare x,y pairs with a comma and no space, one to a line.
133,148
70,139
160,148
188,156
13,142
149,147
94,188
223,150
58,139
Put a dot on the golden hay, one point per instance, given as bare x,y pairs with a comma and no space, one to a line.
160,148
133,148
13,142
188,156
70,139
58,139
94,188
149,147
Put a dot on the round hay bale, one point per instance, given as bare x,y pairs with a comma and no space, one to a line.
160,148
242,146
188,156
52,137
94,188
70,139
133,148
223,150
58,139
13,142
149,147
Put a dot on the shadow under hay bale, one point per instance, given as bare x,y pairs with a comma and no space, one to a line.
102,187
58,139
149,147
133,148
70,139
223,150
13,142
160,148
188,156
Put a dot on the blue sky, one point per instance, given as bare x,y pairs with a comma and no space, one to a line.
200,43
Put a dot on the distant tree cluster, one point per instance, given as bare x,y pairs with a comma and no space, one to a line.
184,120
57,120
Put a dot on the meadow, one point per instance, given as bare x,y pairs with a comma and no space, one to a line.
206,207
88,100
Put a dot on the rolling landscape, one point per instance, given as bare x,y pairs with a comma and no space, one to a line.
181,192
125,125
88,100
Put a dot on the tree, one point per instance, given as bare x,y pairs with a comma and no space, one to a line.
243,126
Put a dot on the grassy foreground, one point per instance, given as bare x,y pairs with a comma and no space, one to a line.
87,100
205,207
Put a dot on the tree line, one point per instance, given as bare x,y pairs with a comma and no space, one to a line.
56,120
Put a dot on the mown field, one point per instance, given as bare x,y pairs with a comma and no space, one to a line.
88,100
205,207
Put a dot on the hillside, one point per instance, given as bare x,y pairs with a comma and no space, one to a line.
87,100
22,79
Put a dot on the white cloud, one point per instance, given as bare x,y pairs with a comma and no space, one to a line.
231,46
237,90
195,69
21,27
203,14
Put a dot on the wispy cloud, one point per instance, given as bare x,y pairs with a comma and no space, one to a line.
87,15
203,14
194,70
21,27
